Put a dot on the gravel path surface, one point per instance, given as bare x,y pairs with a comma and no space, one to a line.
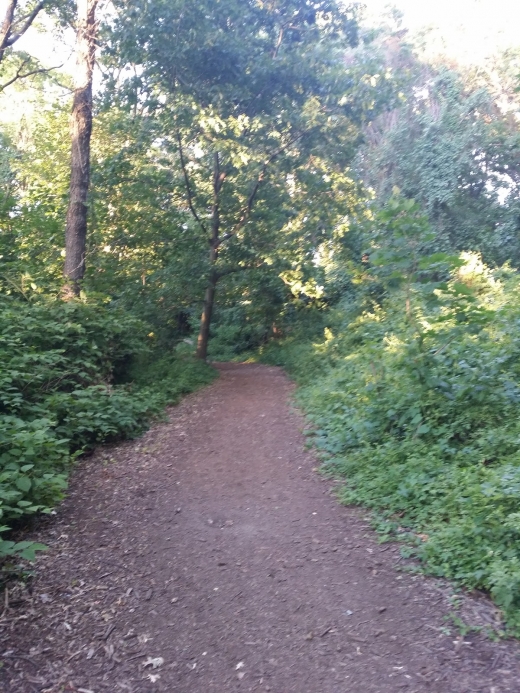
210,557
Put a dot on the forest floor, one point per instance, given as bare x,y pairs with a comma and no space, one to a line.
209,556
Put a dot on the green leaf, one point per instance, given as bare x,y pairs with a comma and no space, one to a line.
23,483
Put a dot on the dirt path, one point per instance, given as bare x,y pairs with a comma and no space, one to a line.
209,557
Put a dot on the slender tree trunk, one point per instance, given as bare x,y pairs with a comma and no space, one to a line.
81,130
205,320
214,241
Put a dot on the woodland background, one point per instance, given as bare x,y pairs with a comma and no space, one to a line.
327,197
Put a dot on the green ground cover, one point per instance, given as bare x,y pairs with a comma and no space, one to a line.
418,411
73,375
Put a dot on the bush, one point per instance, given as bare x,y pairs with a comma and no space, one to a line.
419,411
73,375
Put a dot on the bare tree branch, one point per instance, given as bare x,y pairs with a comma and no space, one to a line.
247,208
188,186
7,24
278,43
19,74
19,20
30,19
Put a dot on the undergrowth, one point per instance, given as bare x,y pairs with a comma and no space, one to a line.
415,402
72,376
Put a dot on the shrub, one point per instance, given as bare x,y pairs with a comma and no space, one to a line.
73,375
419,412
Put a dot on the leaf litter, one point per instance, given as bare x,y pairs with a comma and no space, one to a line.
123,574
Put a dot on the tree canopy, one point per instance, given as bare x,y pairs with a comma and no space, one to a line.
271,179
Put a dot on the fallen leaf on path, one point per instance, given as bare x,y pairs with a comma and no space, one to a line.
154,662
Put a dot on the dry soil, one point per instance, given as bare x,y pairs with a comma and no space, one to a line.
210,556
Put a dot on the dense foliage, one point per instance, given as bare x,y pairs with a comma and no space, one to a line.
62,390
415,400
320,192
451,143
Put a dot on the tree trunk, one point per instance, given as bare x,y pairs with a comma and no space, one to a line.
81,130
214,242
5,29
205,320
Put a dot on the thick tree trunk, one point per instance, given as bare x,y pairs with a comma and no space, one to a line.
5,29
81,130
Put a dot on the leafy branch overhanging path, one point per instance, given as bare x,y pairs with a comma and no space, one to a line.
209,556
